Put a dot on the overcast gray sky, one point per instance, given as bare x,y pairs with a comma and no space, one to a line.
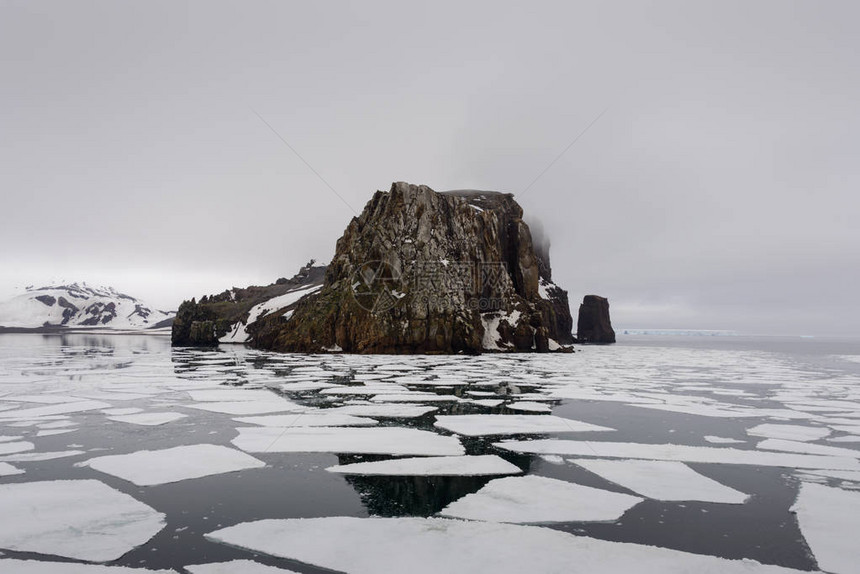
719,190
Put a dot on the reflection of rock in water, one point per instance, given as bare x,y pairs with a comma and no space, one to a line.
414,495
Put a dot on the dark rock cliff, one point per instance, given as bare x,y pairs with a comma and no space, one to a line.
203,323
426,272
594,325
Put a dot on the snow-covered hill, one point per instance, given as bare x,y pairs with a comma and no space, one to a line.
79,305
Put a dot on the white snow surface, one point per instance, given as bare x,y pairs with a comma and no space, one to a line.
152,467
7,469
537,499
320,418
361,440
789,432
26,311
83,519
438,545
529,407
239,332
12,566
235,567
663,480
682,453
481,465
273,405
825,515
491,424
149,419
384,410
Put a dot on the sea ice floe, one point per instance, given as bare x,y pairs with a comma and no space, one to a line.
235,567
274,405
490,424
530,407
807,448
384,411
722,440
681,453
11,566
482,465
54,409
81,519
371,389
434,545
489,403
14,447
827,518
231,395
149,419
846,438
662,480
789,432
43,433
307,386
361,440
152,467
122,411
321,418
415,397
537,499
852,475
7,469
39,456
7,438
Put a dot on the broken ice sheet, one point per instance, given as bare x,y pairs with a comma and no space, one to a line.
7,469
11,566
722,440
82,519
806,448
489,424
530,407
274,405
384,410
437,545
682,453
152,467
789,432
148,419
360,440
235,567
122,411
322,418
537,499
228,395
662,480
13,447
829,519
482,465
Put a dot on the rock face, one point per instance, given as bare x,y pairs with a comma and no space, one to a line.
426,272
594,325
227,316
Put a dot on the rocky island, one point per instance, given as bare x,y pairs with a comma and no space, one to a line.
418,271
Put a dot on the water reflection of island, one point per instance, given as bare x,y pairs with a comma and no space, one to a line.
415,495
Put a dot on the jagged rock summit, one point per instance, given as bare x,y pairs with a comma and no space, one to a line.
426,272
79,305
